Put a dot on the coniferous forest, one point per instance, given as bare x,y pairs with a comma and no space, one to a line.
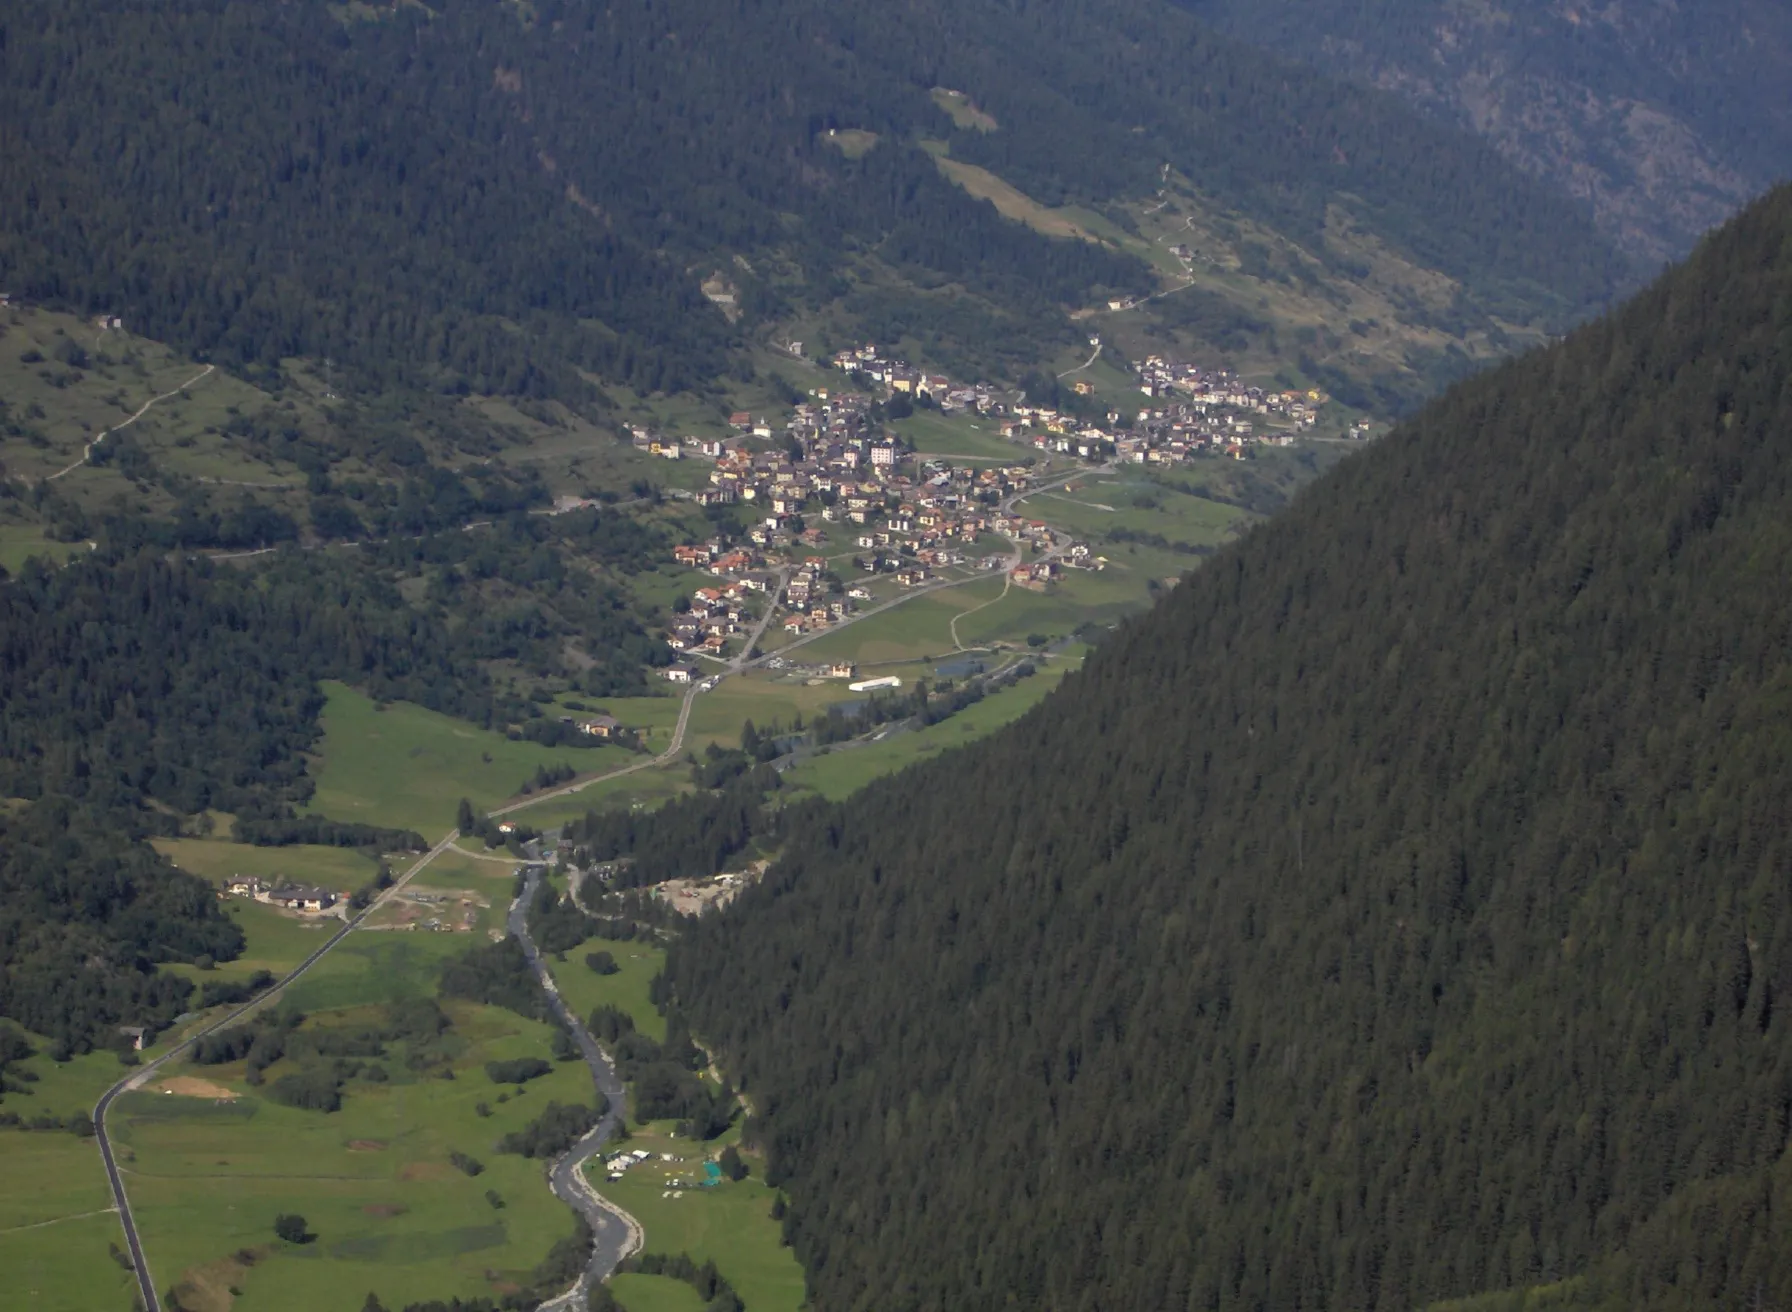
519,199
1396,913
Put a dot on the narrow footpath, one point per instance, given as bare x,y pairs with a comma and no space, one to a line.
614,1233
103,434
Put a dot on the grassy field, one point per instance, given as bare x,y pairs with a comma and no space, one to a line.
650,787
408,767
584,989
489,871
936,434
1092,508
843,772
62,1088
1077,598
67,405
276,941
373,1180
915,630
717,715
330,867
1011,202
655,1294
729,1224
55,1225
653,717
854,143
20,542
375,967
963,110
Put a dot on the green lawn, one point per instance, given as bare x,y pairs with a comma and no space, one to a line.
61,1088
376,966
584,989
489,871
653,717
845,771
408,767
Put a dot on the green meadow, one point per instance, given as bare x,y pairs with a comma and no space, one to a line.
655,1294
648,788
978,440
330,867
407,767
374,1181
275,941
729,1223
375,966
55,1225
717,715
1078,597
585,990
1094,507
841,772
917,629
20,542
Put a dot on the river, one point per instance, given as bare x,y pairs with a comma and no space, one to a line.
615,1234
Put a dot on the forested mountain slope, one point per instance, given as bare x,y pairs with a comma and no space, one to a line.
1665,116
1396,913
520,199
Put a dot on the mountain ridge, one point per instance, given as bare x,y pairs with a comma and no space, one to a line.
1664,118
508,201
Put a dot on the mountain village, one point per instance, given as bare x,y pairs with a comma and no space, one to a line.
832,471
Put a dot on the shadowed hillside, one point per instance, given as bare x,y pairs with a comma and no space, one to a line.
527,199
1397,913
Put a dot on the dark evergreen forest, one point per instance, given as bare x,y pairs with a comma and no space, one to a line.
139,690
1397,912
508,199
1566,92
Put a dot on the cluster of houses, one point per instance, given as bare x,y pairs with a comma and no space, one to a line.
900,377
716,613
1202,411
287,896
830,463
924,517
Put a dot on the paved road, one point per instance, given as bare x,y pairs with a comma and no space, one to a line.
152,1301
614,1233
684,719
1093,356
765,620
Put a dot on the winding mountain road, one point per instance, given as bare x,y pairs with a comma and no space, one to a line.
152,1301
614,1233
